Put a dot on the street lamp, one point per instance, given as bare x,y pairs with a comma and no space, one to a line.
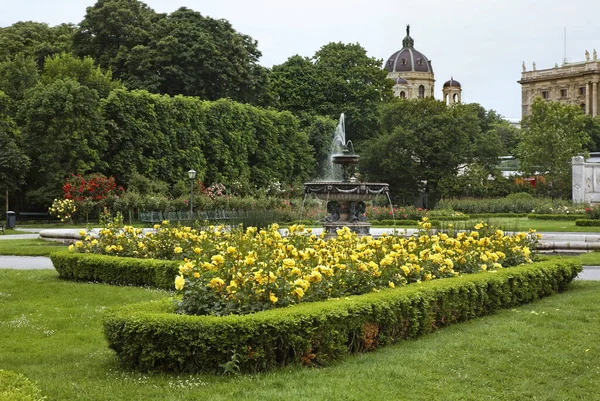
191,175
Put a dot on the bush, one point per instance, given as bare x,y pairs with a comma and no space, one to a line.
152,337
535,216
115,270
518,204
16,387
587,223
593,212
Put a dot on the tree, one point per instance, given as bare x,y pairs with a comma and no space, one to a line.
182,53
16,77
13,162
552,135
424,142
36,40
63,134
339,78
592,128
111,28
65,65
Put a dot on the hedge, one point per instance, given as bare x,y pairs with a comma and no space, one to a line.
587,222
16,387
494,215
574,216
151,337
115,270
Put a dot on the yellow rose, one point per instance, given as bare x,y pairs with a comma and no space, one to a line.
179,283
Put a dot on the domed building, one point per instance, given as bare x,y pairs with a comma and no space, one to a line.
413,74
451,91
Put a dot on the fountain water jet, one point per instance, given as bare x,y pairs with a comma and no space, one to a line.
344,194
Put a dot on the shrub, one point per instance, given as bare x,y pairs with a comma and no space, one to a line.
593,212
112,270
152,337
244,271
536,216
587,222
16,387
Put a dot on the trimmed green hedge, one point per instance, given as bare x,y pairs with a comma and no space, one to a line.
16,387
464,217
397,222
587,222
493,215
151,337
535,216
114,270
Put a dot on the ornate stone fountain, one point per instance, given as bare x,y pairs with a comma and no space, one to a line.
346,196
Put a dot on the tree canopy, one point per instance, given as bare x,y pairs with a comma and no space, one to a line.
424,143
552,134
339,78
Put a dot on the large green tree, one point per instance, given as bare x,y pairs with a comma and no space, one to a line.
16,77
552,135
84,71
339,78
424,143
13,162
34,39
63,134
182,53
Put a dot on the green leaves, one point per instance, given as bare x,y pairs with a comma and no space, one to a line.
552,135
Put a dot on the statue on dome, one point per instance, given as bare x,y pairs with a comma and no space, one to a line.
587,56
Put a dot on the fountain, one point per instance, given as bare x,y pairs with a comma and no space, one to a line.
344,194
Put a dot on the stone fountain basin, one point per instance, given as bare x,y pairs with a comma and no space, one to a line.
346,191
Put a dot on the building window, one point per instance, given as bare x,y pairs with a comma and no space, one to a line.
421,91
403,95
583,107
563,93
420,61
545,95
403,61
390,62
582,90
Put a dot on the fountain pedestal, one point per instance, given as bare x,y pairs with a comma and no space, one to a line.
346,203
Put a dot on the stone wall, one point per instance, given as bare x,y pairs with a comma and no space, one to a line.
586,181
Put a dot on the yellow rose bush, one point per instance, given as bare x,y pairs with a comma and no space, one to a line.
62,209
225,271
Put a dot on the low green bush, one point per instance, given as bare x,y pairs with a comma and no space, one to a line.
536,216
587,223
115,270
152,337
495,215
463,217
398,222
16,387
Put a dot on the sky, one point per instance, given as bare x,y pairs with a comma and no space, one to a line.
480,43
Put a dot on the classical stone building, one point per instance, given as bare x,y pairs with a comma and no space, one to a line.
572,83
413,74
451,91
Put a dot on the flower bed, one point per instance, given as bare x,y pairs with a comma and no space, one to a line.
244,271
153,337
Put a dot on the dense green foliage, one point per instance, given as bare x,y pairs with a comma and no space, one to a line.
114,270
16,387
511,204
151,337
552,135
587,222
425,143
338,78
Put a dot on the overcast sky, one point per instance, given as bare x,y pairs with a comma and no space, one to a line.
480,43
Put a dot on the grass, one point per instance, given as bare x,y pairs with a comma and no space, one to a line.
29,247
549,350
524,224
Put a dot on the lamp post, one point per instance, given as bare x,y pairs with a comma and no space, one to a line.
191,175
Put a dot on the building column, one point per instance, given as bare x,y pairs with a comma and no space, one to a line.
595,99
588,103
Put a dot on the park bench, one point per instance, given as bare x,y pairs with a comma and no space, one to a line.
39,217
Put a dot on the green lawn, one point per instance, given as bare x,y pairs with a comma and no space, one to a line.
29,247
549,350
